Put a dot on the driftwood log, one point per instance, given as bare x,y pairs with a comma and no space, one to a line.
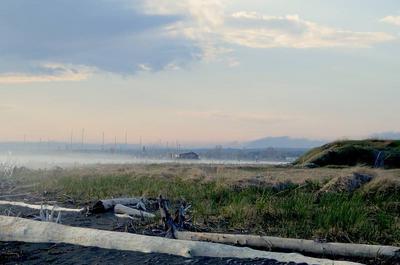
25,230
296,245
121,209
106,205
42,207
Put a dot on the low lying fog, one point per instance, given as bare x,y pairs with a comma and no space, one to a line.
64,160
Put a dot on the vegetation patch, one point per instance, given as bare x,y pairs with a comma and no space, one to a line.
382,153
284,202
298,210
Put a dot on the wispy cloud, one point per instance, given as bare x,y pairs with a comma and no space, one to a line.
394,20
259,31
144,67
51,72
216,32
202,23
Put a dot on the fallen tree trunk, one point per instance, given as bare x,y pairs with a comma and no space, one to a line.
297,245
121,209
24,230
106,205
42,207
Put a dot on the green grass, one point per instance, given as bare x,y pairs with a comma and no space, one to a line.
363,217
240,199
353,152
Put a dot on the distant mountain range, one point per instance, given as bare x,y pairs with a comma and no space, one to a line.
387,135
289,142
283,142
262,143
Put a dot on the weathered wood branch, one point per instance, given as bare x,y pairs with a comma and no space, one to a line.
14,195
42,207
106,205
121,209
296,245
125,216
166,218
24,230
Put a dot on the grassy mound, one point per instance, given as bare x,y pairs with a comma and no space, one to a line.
352,153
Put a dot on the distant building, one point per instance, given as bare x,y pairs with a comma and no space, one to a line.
189,155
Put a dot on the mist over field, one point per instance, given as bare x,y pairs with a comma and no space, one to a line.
36,161
65,158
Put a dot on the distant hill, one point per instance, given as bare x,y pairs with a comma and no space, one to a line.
386,136
382,153
283,142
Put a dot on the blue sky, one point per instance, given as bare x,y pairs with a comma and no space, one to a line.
198,71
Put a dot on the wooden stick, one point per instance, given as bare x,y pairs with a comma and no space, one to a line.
121,209
125,216
166,218
297,245
24,230
106,205
14,195
43,207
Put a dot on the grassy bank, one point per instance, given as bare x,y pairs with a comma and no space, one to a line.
282,206
385,153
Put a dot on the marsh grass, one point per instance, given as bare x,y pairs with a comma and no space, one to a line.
295,212
244,199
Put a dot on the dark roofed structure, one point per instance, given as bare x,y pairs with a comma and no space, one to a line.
189,155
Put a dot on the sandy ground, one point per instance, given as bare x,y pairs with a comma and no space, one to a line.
24,253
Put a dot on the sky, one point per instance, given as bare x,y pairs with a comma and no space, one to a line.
198,71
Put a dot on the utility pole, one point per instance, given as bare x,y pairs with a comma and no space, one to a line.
24,146
126,140
102,143
71,139
83,137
